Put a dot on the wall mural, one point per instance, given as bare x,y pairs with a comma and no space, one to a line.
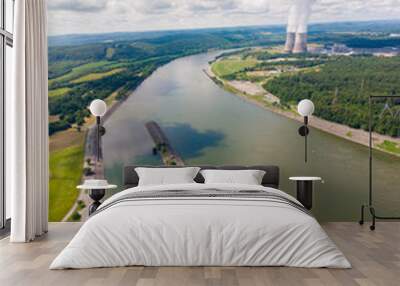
182,92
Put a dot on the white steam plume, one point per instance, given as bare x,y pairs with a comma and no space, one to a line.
299,15
293,19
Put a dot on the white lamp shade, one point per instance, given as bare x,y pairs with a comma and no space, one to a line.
306,107
98,107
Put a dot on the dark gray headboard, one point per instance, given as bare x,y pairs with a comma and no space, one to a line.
271,178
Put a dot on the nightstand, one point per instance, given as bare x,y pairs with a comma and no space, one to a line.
305,189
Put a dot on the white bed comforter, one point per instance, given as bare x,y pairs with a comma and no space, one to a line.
202,232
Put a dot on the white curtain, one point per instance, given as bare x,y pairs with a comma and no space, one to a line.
27,143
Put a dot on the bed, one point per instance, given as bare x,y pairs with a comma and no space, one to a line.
198,224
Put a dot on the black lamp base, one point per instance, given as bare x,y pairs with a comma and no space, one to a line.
305,193
95,195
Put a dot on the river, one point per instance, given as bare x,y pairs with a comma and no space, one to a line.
207,125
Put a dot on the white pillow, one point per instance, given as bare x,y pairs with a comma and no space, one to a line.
166,176
247,177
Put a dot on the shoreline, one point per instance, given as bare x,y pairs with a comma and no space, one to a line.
358,136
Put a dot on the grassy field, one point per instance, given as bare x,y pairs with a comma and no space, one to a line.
67,138
66,166
81,71
59,91
62,67
96,76
229,66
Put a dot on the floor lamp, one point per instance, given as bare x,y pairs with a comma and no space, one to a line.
370,205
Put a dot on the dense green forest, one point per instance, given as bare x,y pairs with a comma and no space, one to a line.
361,41
341,87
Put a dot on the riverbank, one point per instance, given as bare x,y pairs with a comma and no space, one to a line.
268,101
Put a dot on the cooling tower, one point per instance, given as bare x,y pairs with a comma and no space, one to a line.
290,38
300,44
297,27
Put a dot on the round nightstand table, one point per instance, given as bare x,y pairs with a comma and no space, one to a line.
305,189
97,190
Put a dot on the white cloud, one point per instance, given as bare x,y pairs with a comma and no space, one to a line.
211,5
71,16
77,5
153,6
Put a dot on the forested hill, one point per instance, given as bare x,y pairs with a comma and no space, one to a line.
382,26
80,73
81,39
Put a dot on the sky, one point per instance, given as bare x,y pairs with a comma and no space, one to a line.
101,16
